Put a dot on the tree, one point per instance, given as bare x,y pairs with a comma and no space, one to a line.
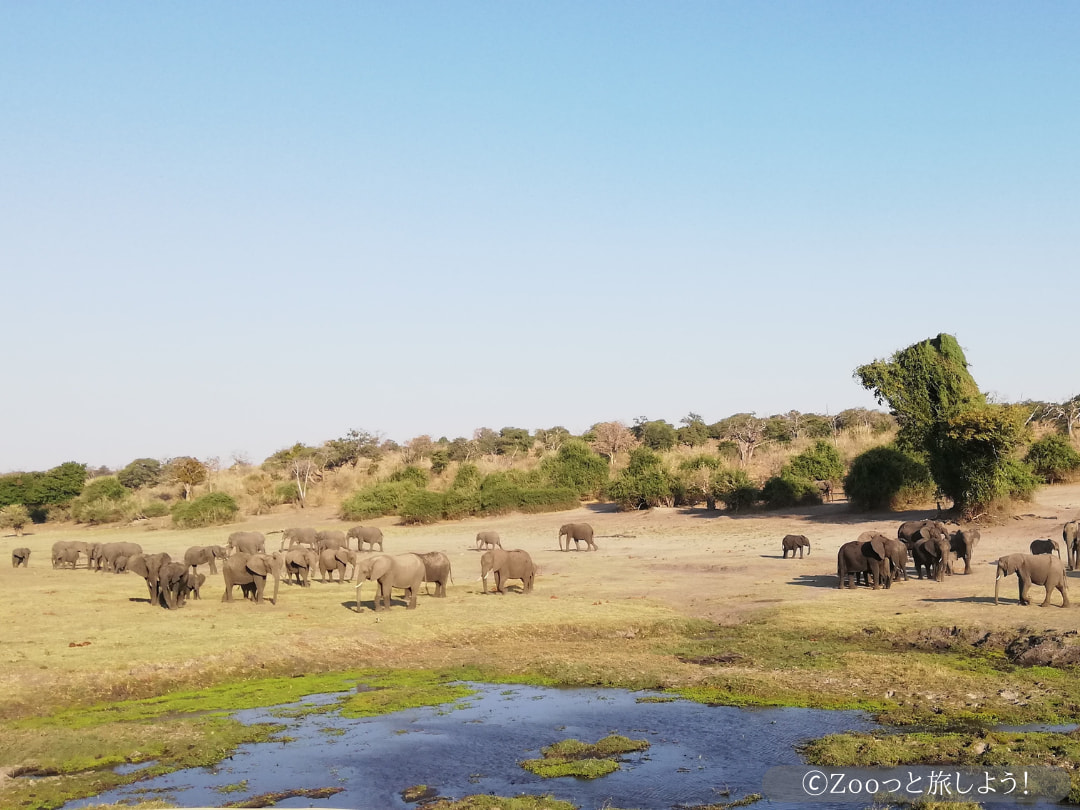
417,449
350,448
512,441
696,476
551,439
694,432
301,464
142,472
612,438
1065,414
1053,458
14,516
188,471
486,441
969,443
656,434
746,430
575,467
643,484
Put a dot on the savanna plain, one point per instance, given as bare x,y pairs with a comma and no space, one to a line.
694,602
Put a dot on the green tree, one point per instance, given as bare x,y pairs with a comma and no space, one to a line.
575,467
513,442
887,478
188,472
1053,458
142,472
695,479
350,448
969,443
746,430
643,484
14,516
822,462
694,432
655,434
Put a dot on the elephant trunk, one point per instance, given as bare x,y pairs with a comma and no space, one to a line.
277,583
997,584
359,585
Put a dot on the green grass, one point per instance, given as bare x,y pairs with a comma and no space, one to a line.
582,760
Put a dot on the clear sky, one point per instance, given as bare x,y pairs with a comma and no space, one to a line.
228,227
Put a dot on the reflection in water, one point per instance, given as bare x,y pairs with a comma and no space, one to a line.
698,754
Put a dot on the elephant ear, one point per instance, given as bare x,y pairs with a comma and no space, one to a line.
138,565
877,546
258,564
343,555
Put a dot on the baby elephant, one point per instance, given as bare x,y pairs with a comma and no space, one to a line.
20,556
795,541
1048,546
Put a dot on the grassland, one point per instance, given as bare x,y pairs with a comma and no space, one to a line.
694,603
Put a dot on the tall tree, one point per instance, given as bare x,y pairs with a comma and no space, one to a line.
612,438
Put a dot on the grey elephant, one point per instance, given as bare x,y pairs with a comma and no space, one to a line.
868,556
504,565
172,584
932,555
303,536
201,555
193,581
20,557
300,562
577,532
247,543
93,556
491,539
437,570
250,572
111,551
793,543
333,560
366,534
912,531
149,567
120,564
330,539
61,546
1047,546
66,558
962,545
1041,569
1070,536
404,571
895,550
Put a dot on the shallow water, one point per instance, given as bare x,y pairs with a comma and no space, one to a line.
698,754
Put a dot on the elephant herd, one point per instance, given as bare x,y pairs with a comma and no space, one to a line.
933,550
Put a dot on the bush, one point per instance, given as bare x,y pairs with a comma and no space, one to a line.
822,462
376,501
499,494
154,508
575,467
734,488
548,499
211,509
108,487
422,506
287,492
100,510
440,460
1053,458
468,478
14,516
786,490
410,474
644,484
142,472
459,504
885,478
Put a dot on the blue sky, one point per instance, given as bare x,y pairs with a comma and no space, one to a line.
229,227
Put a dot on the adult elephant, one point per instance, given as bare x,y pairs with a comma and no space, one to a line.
247,543
912,531
173,584
302,536
491,539
576,532
149,567
1041,569
962,545
330,539
20,557
250,572
932,555
865,556
61,546
793,543
66,558
437,570
405,571
1070,535
366,534
111,552
505,565
300,562
201,555
1047,546
895,550
93,556
337,560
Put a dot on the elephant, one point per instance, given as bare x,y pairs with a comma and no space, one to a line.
895,550
793,542
120,564
1042,569
868,556
825,490
300,562
962,545
932,554
20,556
336,559
250,572
67,557
1047,546
149,567
366,534
390,571
491,539
200,555
61,546
437,570
172,584
330,539
193,581
93,556
305,536
913,531
1070,535
504,565
111,551
247,543
576,532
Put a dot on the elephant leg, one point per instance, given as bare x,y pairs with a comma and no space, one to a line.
1063,587
213,568
410,596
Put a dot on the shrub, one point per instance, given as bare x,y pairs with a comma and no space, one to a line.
644,484
142,472
548,499
106,487
99,510
468,478
499,494
375,501
440,460
15,516
459,504
422,506
575,467
735,489
1053,458
287,492
887,477
211,509
154,508
410,474
822,462
786,490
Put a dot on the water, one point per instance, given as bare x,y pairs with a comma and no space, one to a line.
698,754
